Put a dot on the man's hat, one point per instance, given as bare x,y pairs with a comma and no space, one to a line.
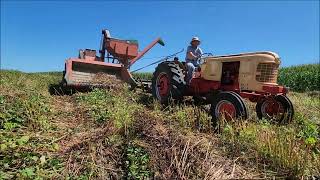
195,39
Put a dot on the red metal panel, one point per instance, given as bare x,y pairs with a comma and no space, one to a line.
202,86
121,48
70,63
252,96
89,58
89,53
68,69
125,75
96,62
230,87
274,89
269,91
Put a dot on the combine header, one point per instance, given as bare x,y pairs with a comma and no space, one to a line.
116,57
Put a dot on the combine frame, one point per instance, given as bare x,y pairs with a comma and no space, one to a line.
120,55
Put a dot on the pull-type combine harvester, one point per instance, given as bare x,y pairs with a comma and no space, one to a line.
221,81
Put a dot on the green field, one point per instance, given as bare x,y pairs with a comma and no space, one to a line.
119,134
301,78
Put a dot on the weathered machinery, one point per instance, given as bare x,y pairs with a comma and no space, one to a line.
220,81
116,56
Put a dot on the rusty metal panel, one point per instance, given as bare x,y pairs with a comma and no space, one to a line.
122,48
82,71
90,52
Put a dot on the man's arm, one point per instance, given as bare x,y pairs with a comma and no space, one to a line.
191,56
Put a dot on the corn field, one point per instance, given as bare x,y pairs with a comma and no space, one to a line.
301,78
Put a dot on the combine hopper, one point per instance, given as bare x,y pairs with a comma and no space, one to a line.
116,57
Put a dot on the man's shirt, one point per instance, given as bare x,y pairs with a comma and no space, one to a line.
195,51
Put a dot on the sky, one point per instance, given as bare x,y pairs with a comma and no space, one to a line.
38,36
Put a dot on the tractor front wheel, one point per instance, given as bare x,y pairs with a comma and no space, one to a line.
278,108
227,106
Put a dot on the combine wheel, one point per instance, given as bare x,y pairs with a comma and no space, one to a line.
228,106
279,109
168,82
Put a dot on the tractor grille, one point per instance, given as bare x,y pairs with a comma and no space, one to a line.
267,72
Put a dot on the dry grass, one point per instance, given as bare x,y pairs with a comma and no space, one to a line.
176,155
108,81
86,135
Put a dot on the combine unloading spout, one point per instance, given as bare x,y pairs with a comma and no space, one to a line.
146,49
116,56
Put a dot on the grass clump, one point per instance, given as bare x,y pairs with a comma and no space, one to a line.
290,150
26,131
104,105
16,82
23,121
29,110
97,102
137,162
278,147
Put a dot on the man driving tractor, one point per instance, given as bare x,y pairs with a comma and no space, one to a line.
193,54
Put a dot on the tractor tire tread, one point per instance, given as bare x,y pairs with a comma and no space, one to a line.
176,79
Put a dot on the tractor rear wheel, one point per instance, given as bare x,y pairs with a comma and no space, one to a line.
227,106
168,82
279,109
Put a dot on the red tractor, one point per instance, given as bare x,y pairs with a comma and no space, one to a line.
224,81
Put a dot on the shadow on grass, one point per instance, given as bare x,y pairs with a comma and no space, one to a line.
61,90
146,99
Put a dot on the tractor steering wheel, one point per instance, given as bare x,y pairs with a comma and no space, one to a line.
202,57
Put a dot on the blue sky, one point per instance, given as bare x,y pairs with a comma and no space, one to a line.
40,35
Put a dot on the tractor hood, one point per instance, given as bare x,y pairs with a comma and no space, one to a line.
265,55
